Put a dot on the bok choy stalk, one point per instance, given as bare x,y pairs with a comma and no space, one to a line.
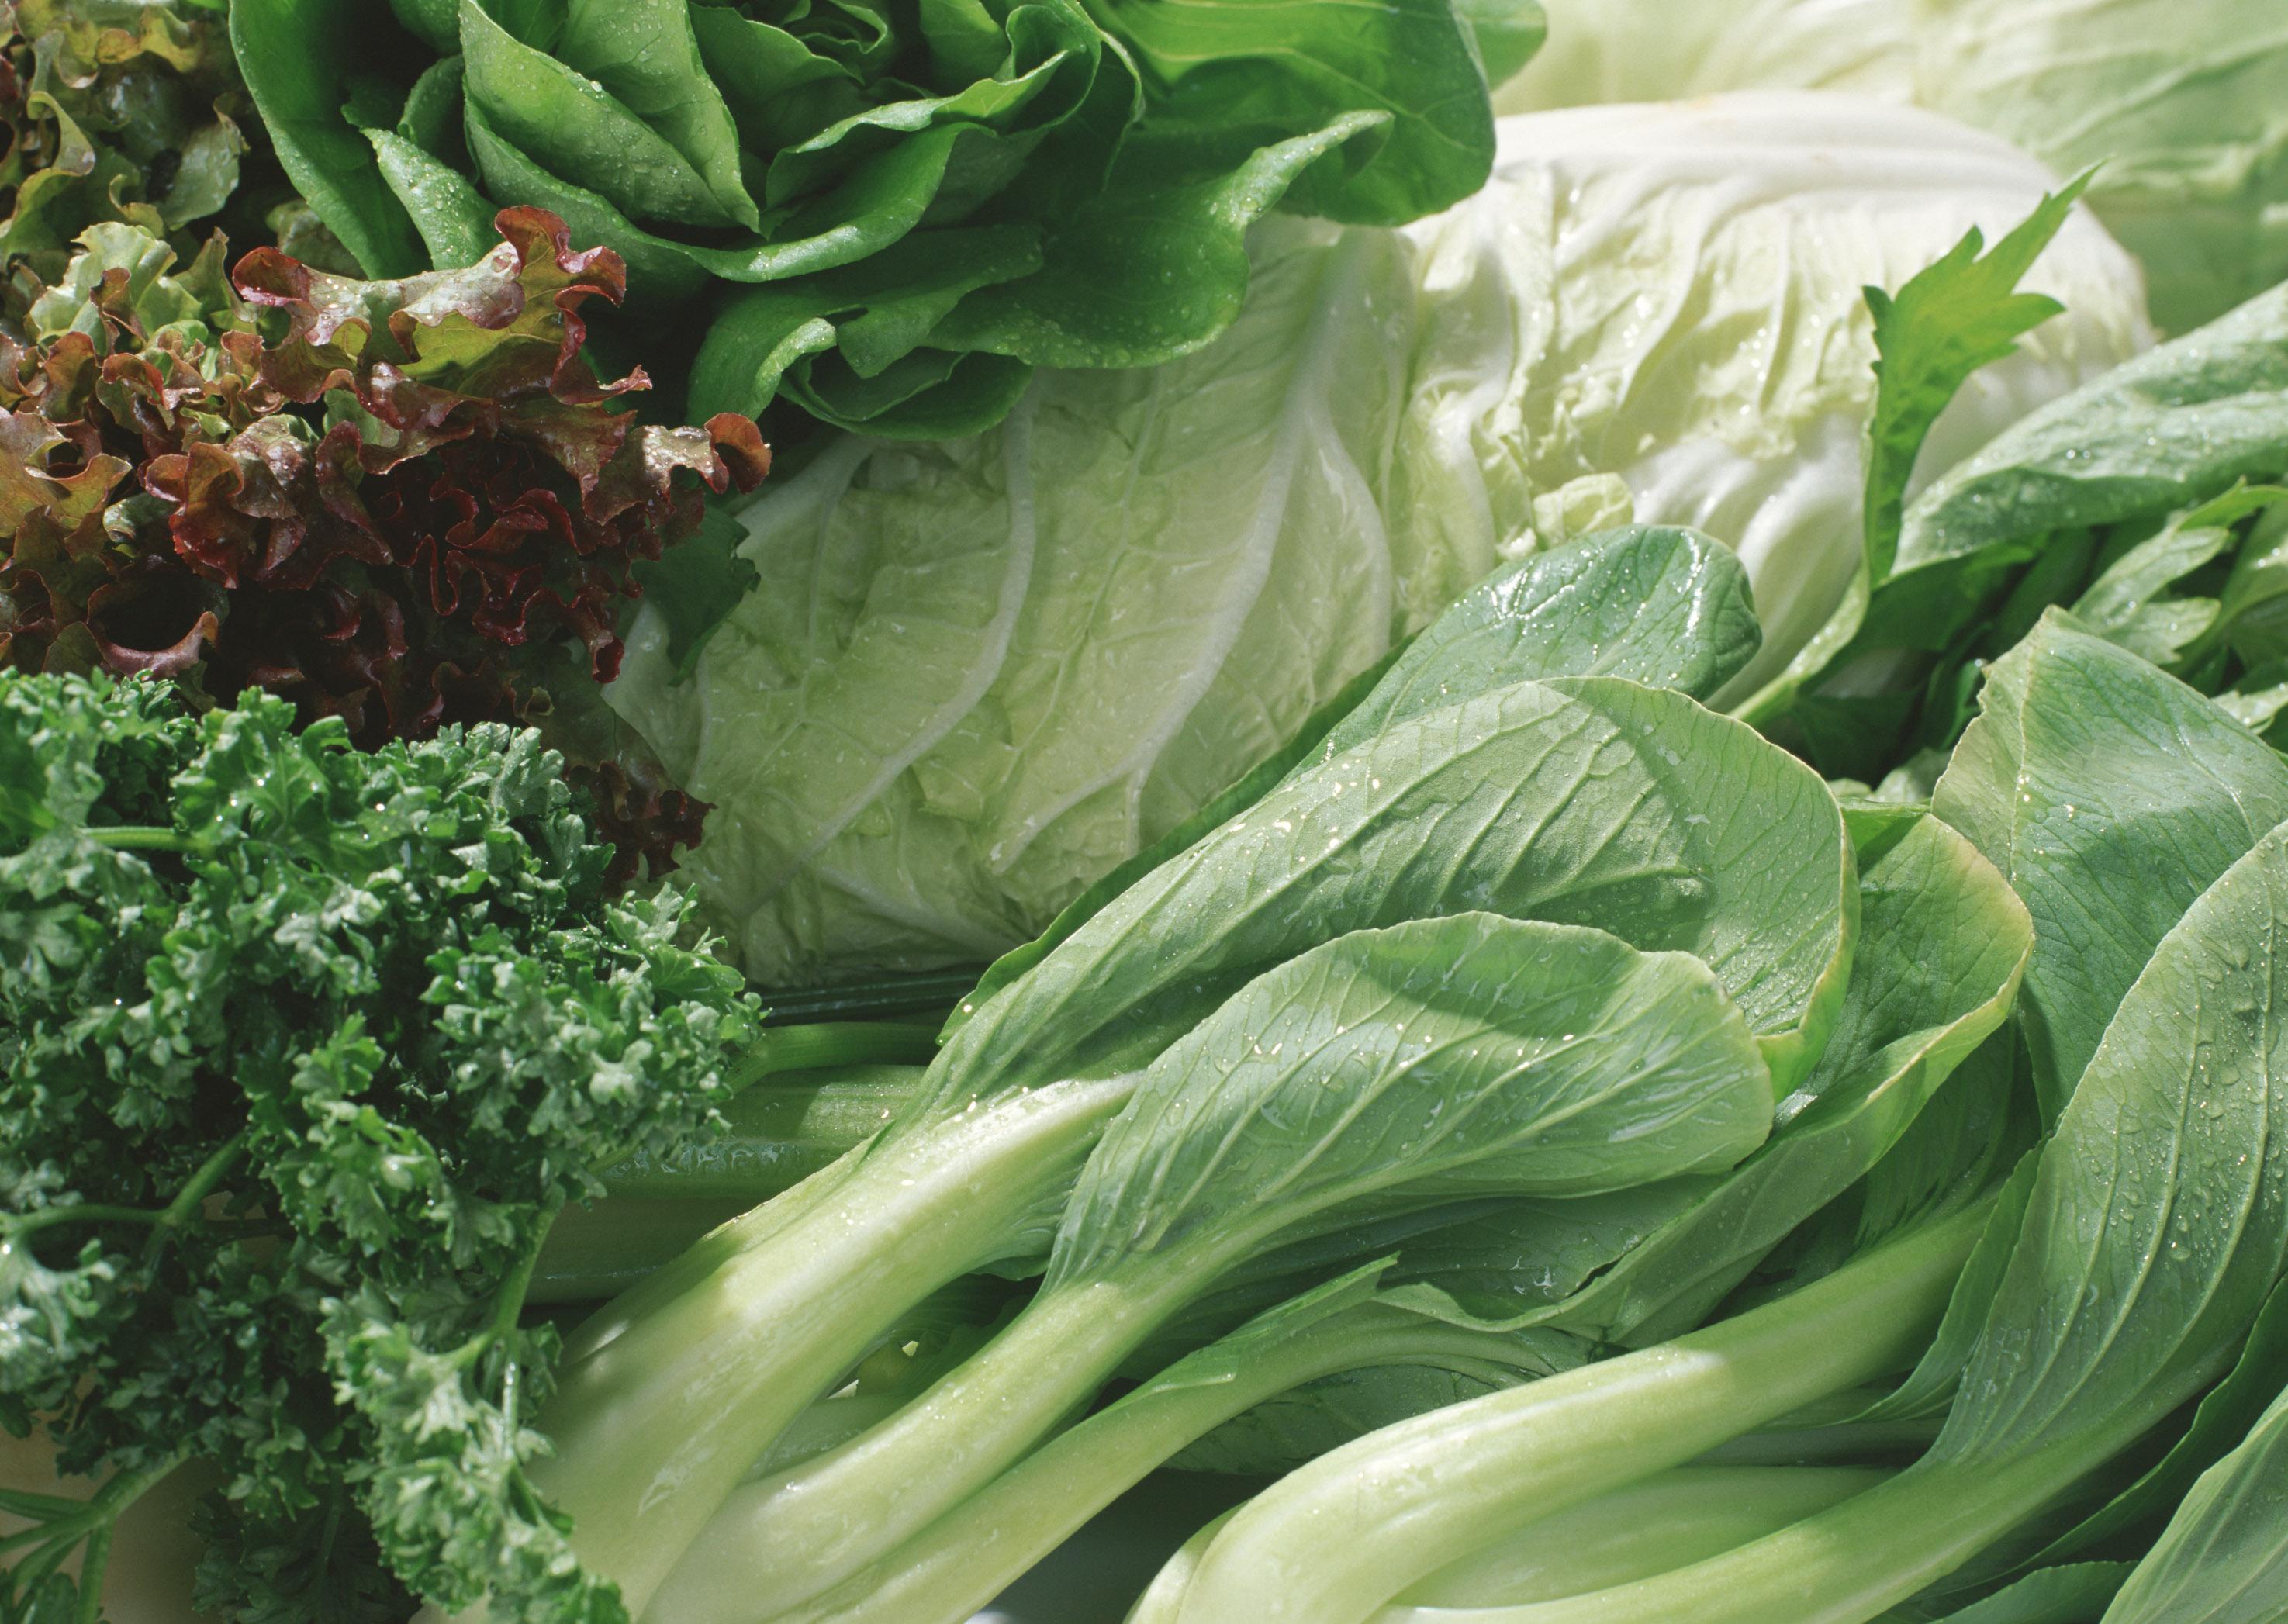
1442,1056
966,1558
1400,1504
1469,788
809,1113
1232,1147
1647,1527
2125,1269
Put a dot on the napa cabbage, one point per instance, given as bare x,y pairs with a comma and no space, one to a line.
2182,103
976,675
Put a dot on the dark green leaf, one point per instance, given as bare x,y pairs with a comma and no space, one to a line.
296,55
1440,1059
697,584
1278,66
1942,942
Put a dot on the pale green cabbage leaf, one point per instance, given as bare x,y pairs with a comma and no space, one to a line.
2184,103
978,674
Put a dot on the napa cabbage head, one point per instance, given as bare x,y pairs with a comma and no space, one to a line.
2182,103
976,675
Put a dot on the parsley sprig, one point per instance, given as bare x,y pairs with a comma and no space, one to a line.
301,1050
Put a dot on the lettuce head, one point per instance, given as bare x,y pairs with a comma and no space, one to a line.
2182,103
974,674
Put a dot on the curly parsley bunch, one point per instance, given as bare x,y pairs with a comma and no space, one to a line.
301,1050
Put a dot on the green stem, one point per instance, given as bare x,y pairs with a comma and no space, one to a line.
1865,1556
184,1209
39,1533
84,1212
663,1206
935,990
1648,1528
958,1562
600,1250
37,1508
509,1302
94,1557
825,1043
824,1522
1164,1598
90,1526
1333,1542
779,1134
666,1408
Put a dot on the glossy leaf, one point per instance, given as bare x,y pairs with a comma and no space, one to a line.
1435,1059
1590,800
1942,942
2111,795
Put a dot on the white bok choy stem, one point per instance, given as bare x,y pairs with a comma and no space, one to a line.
963,1560
1335,1540
1473,790
1432,1059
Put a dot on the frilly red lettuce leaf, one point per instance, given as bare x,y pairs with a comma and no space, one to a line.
400,503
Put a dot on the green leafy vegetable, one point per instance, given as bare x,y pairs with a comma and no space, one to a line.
1439,1057
2172,100
301,1049
2112,500
401,503
2129,1268
1470,807
961,1560
129,114
2084,756
2220,1562
907,210
1377,1516
1957,314
978,675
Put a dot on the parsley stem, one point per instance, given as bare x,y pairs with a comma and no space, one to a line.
184,1207
80,1212
89,1524
122,1491
510,1302
94,1557
134,837
37,1508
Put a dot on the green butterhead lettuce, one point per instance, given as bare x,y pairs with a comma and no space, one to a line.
893,212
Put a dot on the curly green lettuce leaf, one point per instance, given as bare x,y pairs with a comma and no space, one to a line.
122,113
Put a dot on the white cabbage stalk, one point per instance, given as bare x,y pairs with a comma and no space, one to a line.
979,674
2183,104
